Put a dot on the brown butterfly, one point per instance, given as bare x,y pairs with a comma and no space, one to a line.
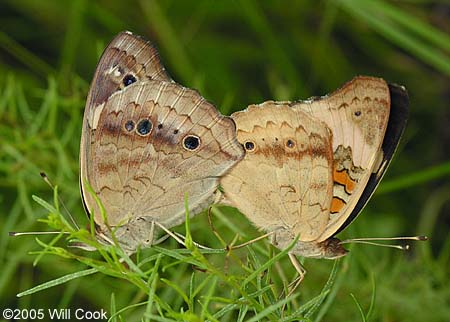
311,166
146,143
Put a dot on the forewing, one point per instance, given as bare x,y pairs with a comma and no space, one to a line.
358,116
127,59
396,125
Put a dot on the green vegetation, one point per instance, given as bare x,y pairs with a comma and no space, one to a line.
235,53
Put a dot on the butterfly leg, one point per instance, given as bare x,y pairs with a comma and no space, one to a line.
169,233
160,240
231,246
178,237
297,265
297,281
251,241
211,225
152,233
301,271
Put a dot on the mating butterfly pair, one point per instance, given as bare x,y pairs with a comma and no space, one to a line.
297,169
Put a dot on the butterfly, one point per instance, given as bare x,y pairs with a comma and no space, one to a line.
311,166
146,143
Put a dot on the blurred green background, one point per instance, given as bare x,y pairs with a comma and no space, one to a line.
235,53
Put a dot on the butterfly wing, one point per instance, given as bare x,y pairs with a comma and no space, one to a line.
127,59
396,125
148,146
136,127
366,129
284,181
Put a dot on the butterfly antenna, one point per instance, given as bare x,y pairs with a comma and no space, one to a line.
373,241
47,180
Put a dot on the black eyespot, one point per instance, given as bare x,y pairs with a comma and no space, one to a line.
160,126
128,79
175,131
290,144
144,127
191,142
249,146
129,126
358,113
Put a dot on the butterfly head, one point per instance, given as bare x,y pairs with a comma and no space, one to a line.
332,248
328,249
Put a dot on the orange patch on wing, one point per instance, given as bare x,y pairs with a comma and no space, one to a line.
336,205
342,178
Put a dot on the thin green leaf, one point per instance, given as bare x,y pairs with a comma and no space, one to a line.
58,281
363,317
